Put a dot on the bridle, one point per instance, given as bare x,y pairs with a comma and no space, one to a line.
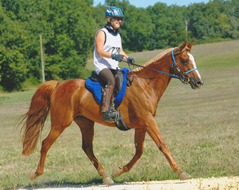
183,75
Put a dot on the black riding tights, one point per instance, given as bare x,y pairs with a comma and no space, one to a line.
108,77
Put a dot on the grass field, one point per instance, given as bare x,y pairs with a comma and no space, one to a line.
199,127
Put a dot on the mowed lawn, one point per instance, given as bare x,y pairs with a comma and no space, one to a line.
200,128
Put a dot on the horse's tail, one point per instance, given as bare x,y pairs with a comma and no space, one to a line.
36,116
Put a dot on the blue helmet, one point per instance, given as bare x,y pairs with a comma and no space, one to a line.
114,12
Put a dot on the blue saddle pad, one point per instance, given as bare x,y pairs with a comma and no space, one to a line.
95,88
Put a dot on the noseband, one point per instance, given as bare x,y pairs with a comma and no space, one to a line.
183,75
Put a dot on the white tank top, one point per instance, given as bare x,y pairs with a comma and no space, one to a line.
112,45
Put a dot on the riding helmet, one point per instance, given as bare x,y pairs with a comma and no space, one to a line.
114,12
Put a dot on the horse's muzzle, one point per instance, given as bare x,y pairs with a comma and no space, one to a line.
196,84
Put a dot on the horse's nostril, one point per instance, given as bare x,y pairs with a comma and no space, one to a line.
200,83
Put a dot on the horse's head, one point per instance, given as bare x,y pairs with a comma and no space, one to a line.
184,66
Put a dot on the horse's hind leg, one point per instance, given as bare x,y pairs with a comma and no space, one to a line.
46,144
139,146
87,130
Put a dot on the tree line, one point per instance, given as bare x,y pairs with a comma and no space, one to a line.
68,29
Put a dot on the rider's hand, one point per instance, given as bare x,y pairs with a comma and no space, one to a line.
117,57
130,60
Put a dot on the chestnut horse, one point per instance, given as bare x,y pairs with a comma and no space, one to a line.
70,101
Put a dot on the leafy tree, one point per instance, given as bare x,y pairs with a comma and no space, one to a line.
230,13
207,21
169,26
68,30
98,14
136,29
68,36
13,48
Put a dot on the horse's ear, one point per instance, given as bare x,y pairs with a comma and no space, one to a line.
190,45
183,45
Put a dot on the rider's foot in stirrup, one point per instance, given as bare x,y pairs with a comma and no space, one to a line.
111,116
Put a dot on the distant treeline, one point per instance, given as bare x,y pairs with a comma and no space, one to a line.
68,30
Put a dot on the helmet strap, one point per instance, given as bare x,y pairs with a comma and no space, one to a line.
109,24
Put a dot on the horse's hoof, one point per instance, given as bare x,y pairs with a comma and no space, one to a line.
184,175
108,181
115,172
32,176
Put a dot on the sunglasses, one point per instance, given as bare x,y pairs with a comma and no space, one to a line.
118,18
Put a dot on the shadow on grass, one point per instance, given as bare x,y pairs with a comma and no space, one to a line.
65,184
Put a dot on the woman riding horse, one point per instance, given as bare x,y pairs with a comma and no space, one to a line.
108,52
70,101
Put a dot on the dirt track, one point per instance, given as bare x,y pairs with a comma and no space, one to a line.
223,183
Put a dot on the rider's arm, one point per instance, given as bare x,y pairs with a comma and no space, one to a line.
99,43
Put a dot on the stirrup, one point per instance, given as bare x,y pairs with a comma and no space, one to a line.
111,116
120,124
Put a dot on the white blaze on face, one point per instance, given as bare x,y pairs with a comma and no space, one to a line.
194,63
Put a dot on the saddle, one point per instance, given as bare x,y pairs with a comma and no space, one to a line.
118,81
96,86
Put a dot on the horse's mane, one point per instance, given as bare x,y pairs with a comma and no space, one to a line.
157,57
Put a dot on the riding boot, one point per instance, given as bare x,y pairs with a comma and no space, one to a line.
109,114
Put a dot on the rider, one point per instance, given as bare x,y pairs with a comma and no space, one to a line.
108,52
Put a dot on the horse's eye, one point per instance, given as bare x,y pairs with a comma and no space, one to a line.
184,61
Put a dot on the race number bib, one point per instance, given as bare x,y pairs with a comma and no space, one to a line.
114,50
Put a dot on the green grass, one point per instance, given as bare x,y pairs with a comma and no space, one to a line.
200,128
16,97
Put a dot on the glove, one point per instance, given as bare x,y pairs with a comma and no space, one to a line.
117,57
130,60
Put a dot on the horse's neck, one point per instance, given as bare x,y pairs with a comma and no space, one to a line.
158,82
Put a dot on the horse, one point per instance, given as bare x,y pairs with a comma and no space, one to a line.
69,101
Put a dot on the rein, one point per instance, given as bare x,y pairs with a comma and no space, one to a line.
183,75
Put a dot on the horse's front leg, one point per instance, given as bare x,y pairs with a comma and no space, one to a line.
139,146
153,131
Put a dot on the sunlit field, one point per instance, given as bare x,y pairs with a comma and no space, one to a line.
200,128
